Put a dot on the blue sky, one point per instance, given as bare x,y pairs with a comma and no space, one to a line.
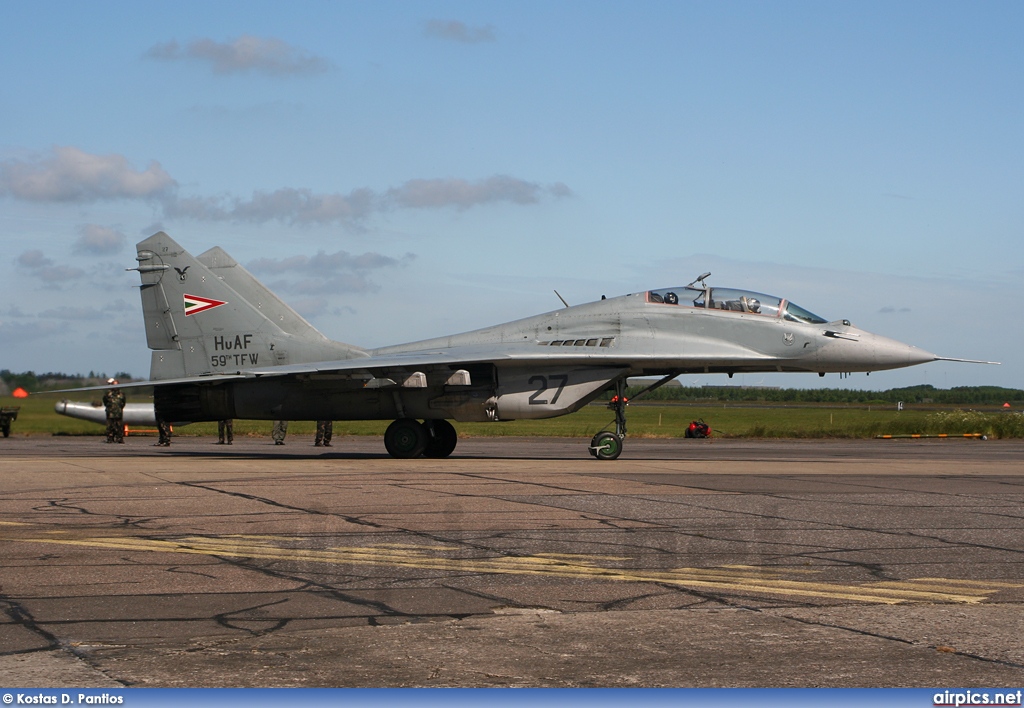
455,162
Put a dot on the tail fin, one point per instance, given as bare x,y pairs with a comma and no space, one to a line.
197,324
258,295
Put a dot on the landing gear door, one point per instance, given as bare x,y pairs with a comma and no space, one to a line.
536,392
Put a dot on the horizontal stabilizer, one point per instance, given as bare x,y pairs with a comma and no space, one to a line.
216,378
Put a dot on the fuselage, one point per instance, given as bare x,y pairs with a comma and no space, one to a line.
650,335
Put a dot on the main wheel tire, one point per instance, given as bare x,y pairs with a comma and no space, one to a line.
405,439
606,446
443,440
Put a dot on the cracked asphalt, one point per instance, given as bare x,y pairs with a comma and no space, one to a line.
516,562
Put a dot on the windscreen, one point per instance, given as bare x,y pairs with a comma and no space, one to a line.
795,313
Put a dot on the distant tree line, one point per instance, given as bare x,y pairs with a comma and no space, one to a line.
33,382
960,395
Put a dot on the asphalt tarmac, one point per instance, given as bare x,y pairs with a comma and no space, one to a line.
516,562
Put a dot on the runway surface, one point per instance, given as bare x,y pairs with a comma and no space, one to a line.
516,562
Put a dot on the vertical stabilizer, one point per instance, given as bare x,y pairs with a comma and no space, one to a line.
197,324
258,295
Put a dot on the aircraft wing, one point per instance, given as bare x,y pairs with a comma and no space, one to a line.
440,358
451,358
533,354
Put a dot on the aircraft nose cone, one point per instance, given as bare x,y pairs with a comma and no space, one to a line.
856,350
891,354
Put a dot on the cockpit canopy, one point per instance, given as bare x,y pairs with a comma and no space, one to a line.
734,301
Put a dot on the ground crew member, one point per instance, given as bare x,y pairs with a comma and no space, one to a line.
164,428
324,433
280,430
225,431
113,403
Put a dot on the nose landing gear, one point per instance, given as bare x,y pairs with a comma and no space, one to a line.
607,445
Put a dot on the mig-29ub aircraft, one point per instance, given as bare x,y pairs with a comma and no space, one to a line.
226,347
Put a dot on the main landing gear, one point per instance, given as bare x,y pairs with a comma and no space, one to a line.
407,438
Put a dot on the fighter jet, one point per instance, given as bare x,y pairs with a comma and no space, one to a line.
224,346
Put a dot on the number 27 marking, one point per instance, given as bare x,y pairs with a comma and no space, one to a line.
541,382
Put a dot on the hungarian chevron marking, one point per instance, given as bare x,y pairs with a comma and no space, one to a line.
194,304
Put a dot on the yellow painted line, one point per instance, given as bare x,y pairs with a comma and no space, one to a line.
293,539
772,569
414,546
982,583
938,585
580,557
726,571
752,580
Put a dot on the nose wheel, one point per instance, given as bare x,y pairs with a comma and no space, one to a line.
606,445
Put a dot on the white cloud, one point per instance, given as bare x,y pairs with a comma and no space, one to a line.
264,55
12,333
99,241
310,307
303,206
69,174
460,193
43,268
58,274
326,273
72,175
335,283
456,31
75,314
327,262
33,259
294,206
